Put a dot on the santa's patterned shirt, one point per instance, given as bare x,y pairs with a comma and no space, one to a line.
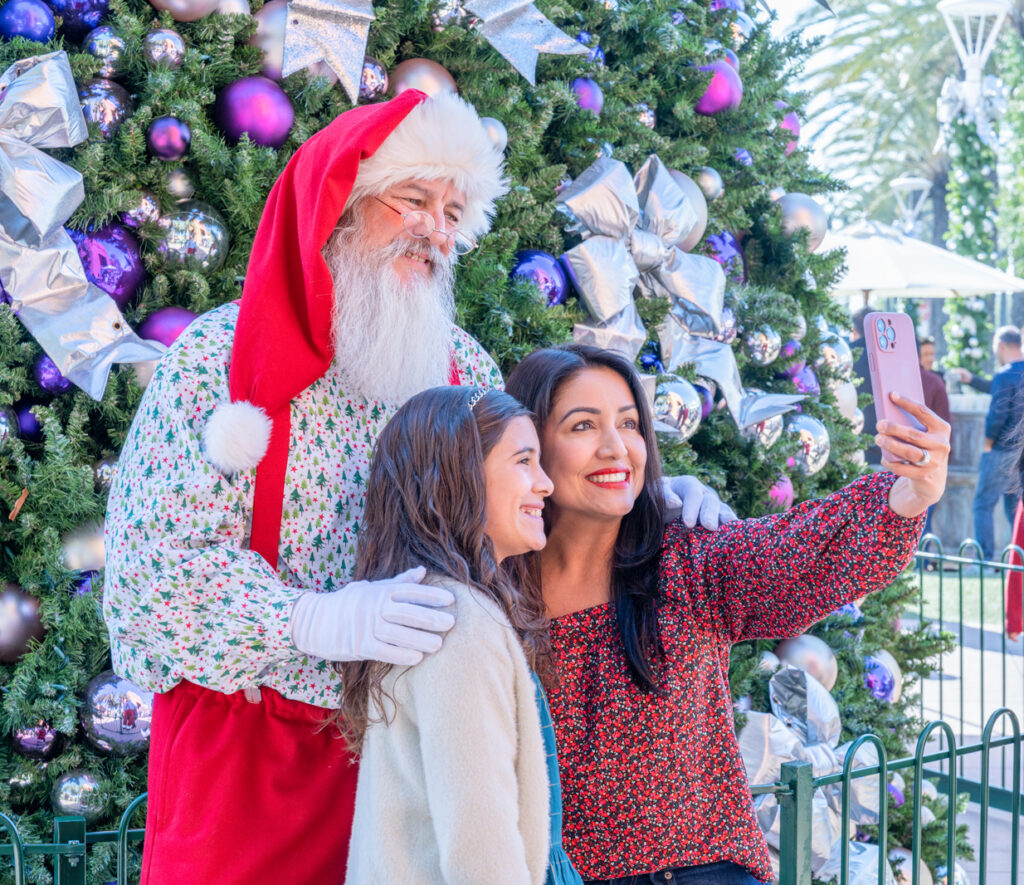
184,597
651,782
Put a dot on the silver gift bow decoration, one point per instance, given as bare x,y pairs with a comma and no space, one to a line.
955,101
716,360
78,324
336,31
804,726
631,226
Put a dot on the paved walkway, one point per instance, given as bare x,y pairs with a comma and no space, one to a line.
977,679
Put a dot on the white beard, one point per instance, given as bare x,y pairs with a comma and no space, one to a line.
391,339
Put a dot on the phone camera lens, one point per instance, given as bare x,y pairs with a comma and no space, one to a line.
880,324
883,342
891,333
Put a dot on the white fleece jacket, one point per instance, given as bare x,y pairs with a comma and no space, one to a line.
454,788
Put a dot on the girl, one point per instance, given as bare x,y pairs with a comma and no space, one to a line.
454,775
643,618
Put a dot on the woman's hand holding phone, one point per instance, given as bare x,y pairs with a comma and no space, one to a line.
919,458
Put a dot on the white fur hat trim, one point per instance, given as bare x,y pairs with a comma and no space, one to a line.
441,139
236,436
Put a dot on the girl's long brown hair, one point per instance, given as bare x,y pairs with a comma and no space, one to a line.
426,505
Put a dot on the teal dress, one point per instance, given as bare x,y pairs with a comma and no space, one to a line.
560,868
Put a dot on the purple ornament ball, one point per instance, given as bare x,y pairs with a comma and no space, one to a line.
28,424
106,104
781,494
112,261
168,138
373,82
725,249
897,795
723,93
544,271
806,381
257,107
707,400
39,741
727,4
31,19
879,681
588,95
792,359
48,376
78,17
743,157
166,324
83,583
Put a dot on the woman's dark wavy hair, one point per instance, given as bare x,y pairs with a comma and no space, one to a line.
426,505
536,383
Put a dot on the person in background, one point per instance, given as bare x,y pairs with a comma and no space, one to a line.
926,354
862,378
997,470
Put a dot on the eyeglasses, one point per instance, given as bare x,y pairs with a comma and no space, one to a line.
420,224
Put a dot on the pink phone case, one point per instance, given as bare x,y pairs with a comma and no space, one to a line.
893,364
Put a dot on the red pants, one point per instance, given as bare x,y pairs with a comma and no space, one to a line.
1014,594
245,793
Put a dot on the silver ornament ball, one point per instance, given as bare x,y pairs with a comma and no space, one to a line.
8,425
19,623
813,656
38,740
646,115
836,353
79,793
105,104
116,715
233,7
764,345
423,74
766,433
195,236
902,862
813,444
451,14
677,406
496,131
801,328
801,212
164,48
710,183
179,185
145,211
186,10
373,83
82,549
103,472
104,43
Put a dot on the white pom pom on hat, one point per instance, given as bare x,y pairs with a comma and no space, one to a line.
236,436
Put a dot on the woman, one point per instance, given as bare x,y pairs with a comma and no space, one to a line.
454,776
643,618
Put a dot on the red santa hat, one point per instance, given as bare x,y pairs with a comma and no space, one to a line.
283,339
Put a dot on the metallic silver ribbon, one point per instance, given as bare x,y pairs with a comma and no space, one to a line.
715,360
953,104
336,31
631,226
78,325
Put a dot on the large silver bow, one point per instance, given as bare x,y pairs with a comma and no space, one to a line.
958,100
78,325
631,225
335,31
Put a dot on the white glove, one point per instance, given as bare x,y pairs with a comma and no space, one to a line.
394,620
688,497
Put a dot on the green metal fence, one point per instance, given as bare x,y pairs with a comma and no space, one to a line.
978,679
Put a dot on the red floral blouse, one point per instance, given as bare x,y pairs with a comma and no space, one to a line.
651,782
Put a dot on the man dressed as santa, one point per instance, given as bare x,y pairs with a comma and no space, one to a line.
233,520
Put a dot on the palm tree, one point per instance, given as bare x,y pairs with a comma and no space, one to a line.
876,84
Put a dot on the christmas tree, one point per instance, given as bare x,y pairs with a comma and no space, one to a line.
176,167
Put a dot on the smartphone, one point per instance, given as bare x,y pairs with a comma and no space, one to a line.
891,343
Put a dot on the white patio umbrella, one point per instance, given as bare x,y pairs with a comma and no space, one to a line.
881,262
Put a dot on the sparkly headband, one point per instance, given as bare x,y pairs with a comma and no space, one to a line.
476,397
